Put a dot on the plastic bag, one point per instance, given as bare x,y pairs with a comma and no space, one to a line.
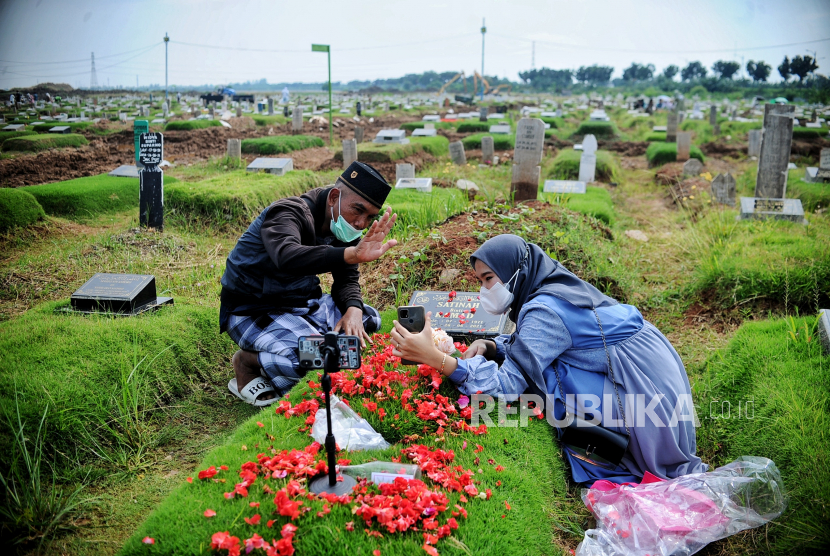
681,516
351,431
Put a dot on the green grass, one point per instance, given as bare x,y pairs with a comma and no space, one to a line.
237,197
566,166
107,380
420,212
75,126
778,365
84,198
436,146
188,125
533,483
555,123
35,143
411,126
473,127
500,142
813,195
279,144
809,133
379,152
598,129
18,208
596,202
659,136
661,153
12,134
260,119
768,261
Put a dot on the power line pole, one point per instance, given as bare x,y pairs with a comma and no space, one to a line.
166,40
93,78
327,49
483,30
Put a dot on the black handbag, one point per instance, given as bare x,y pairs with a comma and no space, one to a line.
592,441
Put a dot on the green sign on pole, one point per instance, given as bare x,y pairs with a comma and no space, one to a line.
327,49
139,127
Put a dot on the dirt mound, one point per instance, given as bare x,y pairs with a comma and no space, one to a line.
633,163
625,148
723,150
669,174
809,148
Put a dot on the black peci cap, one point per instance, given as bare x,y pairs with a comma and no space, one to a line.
366,182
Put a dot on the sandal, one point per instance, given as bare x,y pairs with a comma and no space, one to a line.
253,390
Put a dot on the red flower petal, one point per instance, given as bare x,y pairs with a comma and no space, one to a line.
253,520
259,424
209,513
148,540
189,479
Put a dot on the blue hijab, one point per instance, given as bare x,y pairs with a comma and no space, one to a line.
538,274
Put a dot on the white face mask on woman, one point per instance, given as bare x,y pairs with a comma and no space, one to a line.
497,300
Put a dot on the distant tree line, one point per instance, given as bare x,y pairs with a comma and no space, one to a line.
722,79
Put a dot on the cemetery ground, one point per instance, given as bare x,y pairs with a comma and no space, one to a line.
132,407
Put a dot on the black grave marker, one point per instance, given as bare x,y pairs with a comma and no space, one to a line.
359,108
461,315
151,177
123,294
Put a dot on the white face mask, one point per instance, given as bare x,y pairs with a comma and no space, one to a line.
497,299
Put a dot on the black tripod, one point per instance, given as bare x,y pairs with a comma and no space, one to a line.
328,483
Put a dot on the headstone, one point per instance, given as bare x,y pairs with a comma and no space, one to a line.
527,155
60,129
270,107
692,167
487,149
359,110
297,119
461,315
776,141
503,129
429,126
467,185
164,109
431,118
125,294
275,166
139,127
754,148
14,127
235,148
482,114
779,209
587,167
151,180
589,144
824,329
349,152
404,171
425,132
124,171
824,165
671,127
212,112
565,186
810,175
717,129
713,115
424,185
457,153
358,133
659,128
239,111
723,189
684,145
397,136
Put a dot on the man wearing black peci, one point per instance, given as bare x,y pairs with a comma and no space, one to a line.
271,294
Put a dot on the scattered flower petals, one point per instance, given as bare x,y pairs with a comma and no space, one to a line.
148,540
209,513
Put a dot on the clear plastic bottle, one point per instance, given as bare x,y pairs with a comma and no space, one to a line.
382,471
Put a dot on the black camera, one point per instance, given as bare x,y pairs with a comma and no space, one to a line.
312,350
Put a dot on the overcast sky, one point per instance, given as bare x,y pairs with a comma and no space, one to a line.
51,40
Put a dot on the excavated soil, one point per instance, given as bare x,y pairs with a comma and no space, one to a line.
625,148
105,153
723,150
669,173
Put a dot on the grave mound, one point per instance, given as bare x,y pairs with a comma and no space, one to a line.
35,143
188,125
18,208
566,166
473,127
605,130
279,144
658,154
500,142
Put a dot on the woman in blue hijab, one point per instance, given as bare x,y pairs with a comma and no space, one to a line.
597,358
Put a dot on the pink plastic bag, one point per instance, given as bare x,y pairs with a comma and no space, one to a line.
682,515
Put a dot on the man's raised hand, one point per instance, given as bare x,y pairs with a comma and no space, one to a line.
372,246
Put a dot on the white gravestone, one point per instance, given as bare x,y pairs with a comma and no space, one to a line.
684,145
349,152
754,148
297,119
671,127
487,149
424,185
397,136
527,155
404,171
587,167
457,153
589,144
501,129
565,186
235,148
276,166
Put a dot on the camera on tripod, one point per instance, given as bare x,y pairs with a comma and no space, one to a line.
312,351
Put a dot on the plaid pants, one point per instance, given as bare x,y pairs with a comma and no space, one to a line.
274,336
